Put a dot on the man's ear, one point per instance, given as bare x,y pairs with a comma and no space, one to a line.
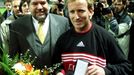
91,12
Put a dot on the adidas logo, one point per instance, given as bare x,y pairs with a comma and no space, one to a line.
80,44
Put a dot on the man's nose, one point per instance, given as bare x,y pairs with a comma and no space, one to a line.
76,15
17,7
39,6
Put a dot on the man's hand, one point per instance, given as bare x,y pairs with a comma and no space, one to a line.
59,73
95,70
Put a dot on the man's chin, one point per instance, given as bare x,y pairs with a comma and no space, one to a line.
78,27
41,18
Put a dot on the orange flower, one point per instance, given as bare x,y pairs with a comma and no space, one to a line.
28,67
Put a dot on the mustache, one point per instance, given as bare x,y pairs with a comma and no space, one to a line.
42,10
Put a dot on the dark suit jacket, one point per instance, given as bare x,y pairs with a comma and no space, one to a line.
23,37
5,14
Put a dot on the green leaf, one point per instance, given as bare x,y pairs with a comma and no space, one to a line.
7,68
4,57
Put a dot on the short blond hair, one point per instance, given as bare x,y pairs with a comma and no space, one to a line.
89,2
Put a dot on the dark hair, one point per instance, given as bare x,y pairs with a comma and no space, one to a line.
123,1
7,1
106,11
22,2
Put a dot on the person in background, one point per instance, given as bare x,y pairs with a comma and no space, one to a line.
119,23
24,33
54,8
104,3
57,8
130,9
98,17
24,7
89,42
8,5
4,28
61,7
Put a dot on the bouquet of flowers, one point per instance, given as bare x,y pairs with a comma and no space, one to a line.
23,65
22,68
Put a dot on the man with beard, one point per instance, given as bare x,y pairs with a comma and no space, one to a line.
24,33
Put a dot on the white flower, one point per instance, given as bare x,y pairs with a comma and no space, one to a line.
19,66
